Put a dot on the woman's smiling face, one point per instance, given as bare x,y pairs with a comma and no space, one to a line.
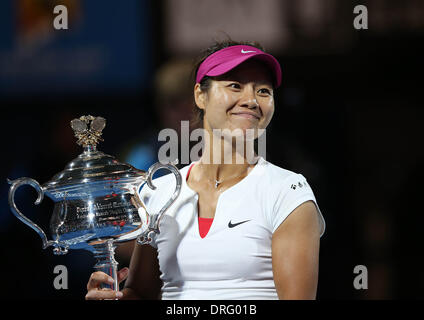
240,99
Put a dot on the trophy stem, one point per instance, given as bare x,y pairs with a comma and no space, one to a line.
104,253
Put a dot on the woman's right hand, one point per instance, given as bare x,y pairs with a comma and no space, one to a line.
94,286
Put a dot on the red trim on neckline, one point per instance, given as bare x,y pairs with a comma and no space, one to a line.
188,172
204,223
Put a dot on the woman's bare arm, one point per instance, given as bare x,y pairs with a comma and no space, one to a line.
143,278
295,254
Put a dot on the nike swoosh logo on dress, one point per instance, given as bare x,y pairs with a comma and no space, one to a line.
232,225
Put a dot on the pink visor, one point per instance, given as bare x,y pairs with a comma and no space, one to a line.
228,58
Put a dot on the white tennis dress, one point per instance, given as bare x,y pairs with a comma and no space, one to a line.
234,260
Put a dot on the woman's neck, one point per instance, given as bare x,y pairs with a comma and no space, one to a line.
225,157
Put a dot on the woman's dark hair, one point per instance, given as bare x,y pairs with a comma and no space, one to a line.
206,81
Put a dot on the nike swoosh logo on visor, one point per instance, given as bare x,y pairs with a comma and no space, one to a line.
247,51
232,225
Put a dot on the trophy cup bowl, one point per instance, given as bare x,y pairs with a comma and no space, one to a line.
96,202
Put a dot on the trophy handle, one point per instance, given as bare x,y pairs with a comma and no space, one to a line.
15,184
154,219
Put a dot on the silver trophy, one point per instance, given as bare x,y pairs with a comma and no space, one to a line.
96,201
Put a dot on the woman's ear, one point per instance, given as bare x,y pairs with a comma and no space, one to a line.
199,97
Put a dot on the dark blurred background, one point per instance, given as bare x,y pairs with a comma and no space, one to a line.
348,117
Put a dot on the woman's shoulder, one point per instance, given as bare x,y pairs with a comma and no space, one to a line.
279,181
275,173
285,191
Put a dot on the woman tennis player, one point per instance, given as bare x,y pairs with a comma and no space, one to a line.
239,229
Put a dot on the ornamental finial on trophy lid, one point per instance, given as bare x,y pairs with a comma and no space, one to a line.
88,130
